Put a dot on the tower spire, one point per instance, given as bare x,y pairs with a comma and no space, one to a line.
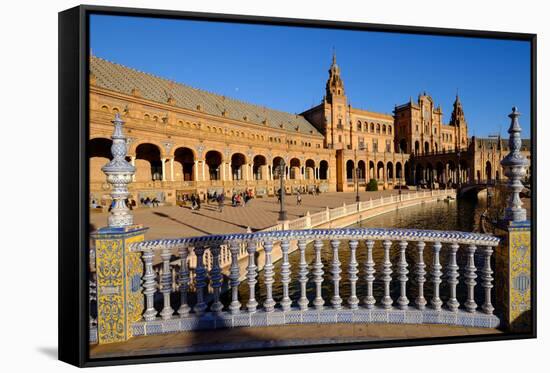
335,85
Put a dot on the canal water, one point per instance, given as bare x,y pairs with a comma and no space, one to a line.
462,215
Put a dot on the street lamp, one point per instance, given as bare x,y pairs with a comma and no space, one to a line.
282,212
357,170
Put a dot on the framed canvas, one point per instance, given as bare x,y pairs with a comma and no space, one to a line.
238,186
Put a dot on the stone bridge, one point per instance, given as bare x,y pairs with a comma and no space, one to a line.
383,268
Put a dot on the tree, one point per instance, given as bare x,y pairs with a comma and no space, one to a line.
372,186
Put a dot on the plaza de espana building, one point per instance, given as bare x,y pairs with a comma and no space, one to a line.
184,140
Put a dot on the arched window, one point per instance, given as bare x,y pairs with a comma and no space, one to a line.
377,127
359,126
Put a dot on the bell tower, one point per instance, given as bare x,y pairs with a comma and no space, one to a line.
335,85
336,108
458,120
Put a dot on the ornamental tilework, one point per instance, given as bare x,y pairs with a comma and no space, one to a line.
520,278
119,296
110,291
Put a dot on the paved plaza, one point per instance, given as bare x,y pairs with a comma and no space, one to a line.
260,213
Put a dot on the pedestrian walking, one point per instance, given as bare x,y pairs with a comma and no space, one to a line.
299,199
221,199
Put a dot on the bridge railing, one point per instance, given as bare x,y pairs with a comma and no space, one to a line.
402,253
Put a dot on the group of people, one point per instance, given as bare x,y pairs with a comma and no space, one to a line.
242,198
149,202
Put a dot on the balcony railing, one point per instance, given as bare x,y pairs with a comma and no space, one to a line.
208,309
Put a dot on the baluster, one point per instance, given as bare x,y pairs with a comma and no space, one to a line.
487,278
285,276
336,300
318,302
436,277
251,277
234,275
370,271
353,301
420,276
452,275
303,301
470,281
184,282
200,280
269,303
149,285
403,301
216,278
386,275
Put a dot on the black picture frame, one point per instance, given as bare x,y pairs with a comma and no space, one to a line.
73,181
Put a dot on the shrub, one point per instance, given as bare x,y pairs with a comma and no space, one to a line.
372,186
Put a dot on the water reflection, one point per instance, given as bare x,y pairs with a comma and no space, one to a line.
460,215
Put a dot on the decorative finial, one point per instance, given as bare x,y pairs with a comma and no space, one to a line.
119,174
515,168
333,55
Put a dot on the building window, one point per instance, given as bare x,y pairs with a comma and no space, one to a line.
388,146
378,128
375,145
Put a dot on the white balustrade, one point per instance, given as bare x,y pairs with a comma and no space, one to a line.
285,276
336,300
318,302
198,269
386,275
436,276
470,275
303,301
251,277
370,271
353,301
420,276
235,274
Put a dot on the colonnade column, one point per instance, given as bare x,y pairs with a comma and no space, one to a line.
163,161
196,170
172,169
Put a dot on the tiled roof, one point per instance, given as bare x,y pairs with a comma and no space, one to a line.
122,79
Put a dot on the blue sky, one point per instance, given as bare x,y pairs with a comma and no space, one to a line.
286,68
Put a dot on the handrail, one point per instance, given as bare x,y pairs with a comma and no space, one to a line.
334,233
